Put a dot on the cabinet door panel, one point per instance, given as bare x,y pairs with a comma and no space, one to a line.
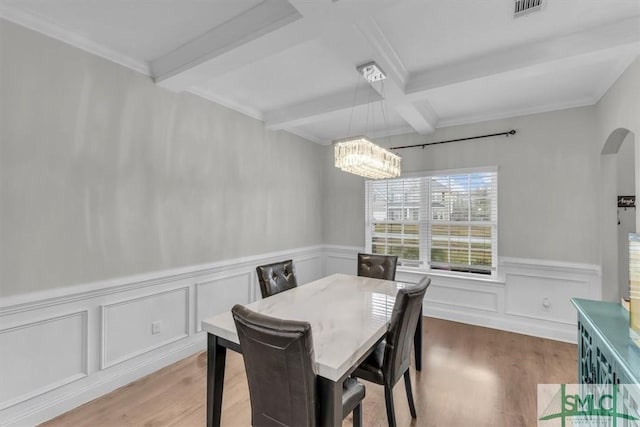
604,366
629,399
585,354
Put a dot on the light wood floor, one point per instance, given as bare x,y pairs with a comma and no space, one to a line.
471,376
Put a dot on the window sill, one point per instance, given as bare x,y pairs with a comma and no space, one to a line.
489,280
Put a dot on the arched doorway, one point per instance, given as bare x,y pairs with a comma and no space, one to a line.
618,167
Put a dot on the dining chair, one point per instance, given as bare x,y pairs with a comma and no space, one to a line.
279,361
377,266
389,361
276,277
384,267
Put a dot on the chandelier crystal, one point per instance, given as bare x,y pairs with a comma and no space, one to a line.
362,157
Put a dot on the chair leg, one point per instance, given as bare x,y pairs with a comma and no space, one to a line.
388,398
357,416
407,386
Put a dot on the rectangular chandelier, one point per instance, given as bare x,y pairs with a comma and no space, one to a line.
362,157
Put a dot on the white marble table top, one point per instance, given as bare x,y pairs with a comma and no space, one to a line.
348,315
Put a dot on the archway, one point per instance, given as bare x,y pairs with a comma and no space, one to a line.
618,167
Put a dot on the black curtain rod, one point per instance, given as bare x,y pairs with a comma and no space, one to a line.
507,133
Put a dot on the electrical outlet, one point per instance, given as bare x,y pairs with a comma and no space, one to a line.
155,327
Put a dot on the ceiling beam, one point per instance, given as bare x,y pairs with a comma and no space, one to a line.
408,93
267,29
275,26
385,53
620,34
178,70
319,108
420,116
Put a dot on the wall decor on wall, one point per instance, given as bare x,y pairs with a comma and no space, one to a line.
626,201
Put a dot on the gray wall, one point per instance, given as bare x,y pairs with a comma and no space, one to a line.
103,174
617,113
626,186
343,205
620,108
547,183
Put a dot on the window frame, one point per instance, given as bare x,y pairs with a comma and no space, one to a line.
424,262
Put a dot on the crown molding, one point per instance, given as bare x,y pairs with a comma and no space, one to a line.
477,118
371,30
616,71
306,135
210,96
55,31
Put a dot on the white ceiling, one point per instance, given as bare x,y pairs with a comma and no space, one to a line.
292,63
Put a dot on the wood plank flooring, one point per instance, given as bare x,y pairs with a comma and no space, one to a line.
471,376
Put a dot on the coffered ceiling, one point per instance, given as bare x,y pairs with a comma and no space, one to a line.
293,63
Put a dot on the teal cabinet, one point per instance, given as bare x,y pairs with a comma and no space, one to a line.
606,355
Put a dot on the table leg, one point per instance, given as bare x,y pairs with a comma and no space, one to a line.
216,358
331,398
417,343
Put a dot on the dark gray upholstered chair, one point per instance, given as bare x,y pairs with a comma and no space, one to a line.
377,266
390,359
276,277
278,358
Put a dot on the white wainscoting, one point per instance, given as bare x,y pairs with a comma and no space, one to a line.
27,351
531,297
62,348
126,325
219,293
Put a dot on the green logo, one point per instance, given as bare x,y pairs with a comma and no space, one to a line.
586,405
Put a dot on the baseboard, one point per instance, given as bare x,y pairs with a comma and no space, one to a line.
549,330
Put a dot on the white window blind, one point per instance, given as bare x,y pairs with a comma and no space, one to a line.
396,208
442,221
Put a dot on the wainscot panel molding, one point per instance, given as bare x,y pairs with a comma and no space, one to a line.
307,268
135,316
59,341
211,298
529,296
341,259
64,347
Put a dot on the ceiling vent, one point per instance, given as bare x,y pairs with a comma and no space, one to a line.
524,7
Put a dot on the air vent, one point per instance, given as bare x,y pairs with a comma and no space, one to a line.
524,7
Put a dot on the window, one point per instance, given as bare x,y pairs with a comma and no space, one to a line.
438,221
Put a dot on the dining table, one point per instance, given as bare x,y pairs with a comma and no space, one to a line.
348,315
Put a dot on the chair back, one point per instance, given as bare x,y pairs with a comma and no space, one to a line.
377,266
276,277
278,358
402,327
